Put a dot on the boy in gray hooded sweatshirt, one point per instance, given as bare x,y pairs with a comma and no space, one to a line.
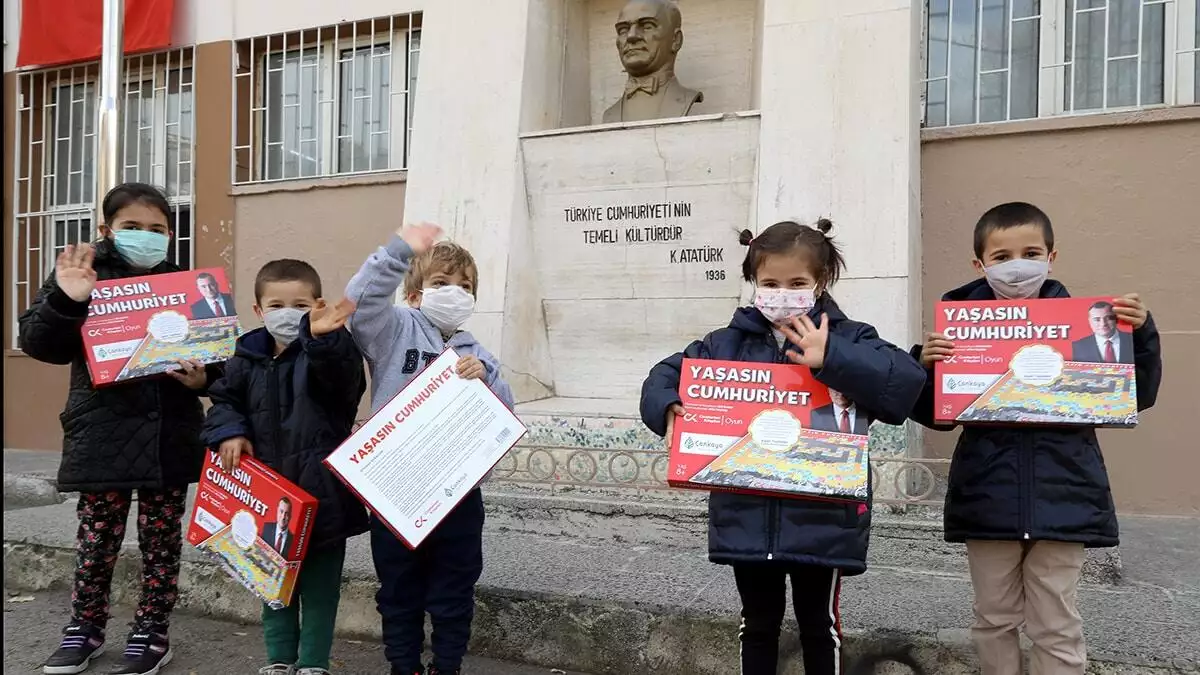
440,281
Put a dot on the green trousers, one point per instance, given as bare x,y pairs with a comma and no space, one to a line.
302,632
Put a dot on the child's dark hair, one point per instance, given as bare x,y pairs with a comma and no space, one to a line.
1012,214
789,235
134,193
287,270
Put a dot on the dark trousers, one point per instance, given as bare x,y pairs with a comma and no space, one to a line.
815,592
439,578
102,517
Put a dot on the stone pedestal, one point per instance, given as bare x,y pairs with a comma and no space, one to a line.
604,248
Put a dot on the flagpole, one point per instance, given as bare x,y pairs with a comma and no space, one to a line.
108,129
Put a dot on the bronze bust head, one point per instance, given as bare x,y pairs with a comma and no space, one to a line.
649,37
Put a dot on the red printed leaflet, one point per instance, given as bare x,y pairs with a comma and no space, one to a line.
143,326
255,524
767,429
426,449
1048,361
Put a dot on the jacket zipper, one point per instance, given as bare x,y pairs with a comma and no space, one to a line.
773,514
273,400
1025,491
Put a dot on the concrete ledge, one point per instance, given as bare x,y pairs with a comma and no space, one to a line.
28,491
609,588
534,628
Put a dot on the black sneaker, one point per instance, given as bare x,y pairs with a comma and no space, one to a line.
81,643
145,654
434,671
396,670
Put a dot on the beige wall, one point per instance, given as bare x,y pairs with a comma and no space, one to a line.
333,225
1125,201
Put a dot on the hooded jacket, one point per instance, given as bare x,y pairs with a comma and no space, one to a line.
142,434
1034,483
399,341
881,379
295,409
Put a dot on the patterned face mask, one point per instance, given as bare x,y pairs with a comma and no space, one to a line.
781,304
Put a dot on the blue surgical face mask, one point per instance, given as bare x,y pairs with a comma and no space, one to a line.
140,248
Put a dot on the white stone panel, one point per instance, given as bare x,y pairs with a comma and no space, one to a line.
884,303
605,348
839,136
467,118
717,56
701,170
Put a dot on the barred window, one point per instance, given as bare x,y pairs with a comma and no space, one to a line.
54,201
325,101
1000,60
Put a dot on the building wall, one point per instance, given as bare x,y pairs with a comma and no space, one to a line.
1122,194
330,222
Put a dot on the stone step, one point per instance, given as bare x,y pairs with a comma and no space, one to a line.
604,601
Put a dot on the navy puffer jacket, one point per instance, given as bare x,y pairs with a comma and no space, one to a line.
295,409
1035,483
881,379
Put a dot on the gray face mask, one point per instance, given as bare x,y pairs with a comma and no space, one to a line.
1017,279
284,323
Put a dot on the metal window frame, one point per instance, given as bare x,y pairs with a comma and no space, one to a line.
38,214
1179,60
399,33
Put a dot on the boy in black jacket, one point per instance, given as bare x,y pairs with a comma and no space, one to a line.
1028,500
289,397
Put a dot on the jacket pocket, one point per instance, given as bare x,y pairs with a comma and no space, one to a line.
78,404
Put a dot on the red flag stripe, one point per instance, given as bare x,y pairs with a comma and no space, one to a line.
57,32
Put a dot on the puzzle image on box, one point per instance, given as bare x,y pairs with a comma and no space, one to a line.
820,464
1085,393
259,568
207,341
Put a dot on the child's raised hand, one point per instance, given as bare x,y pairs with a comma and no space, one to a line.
232,451
936,348
421,237
470,368
810,338
1129,308
323,319
73,271
674,411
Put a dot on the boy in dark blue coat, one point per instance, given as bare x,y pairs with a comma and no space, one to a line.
1027,500
290,397
766,539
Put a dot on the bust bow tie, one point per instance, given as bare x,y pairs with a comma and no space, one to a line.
649,84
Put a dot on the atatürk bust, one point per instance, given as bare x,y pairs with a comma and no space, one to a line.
649,36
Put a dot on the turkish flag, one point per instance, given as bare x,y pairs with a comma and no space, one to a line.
54,32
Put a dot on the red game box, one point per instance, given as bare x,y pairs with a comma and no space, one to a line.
143,326
236,522
767,429
1061,361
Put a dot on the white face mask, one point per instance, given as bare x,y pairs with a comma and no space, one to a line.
1017,279
284,323
447,307
782,304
